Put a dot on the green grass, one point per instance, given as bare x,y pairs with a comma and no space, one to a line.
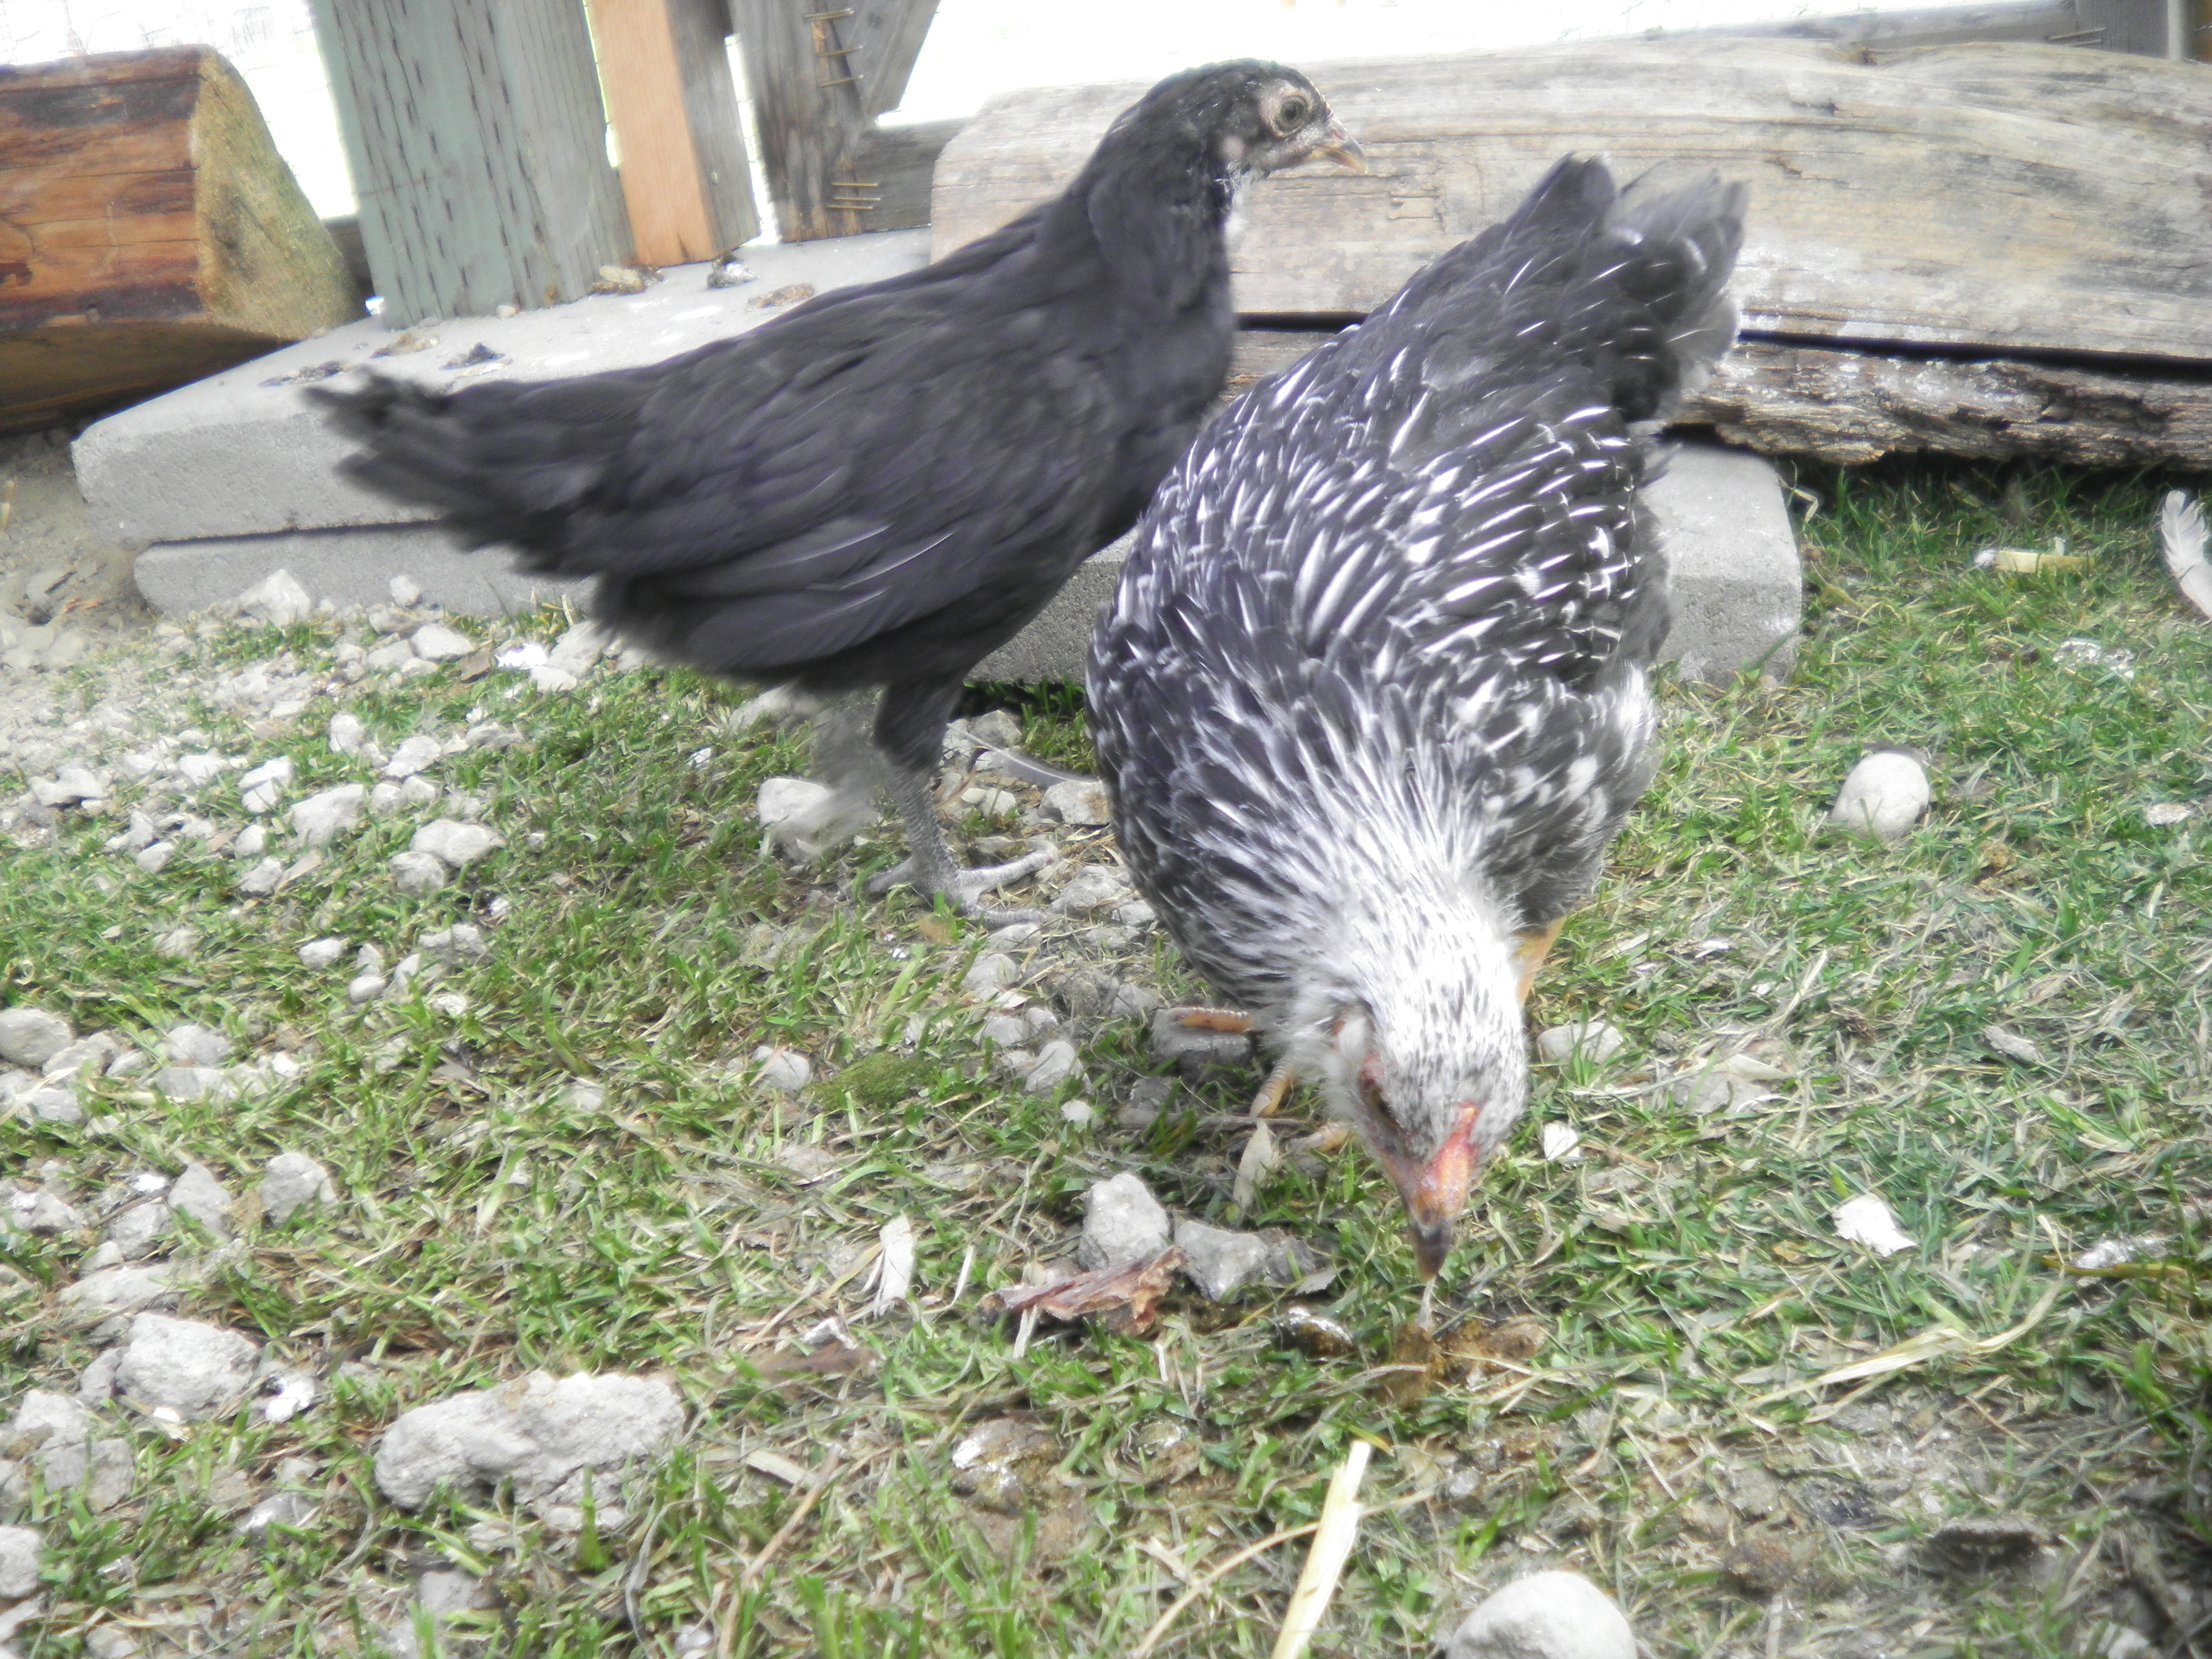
1685,1272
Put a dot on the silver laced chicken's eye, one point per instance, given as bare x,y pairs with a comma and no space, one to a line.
1291,114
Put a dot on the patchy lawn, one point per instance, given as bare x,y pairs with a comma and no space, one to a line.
561,1156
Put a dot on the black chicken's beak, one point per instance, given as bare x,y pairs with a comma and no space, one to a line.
1342,149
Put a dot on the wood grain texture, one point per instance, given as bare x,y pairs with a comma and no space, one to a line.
2129,26
807,110
2011,197
885,37
1852,407
899,164
149,233
477,143
674,110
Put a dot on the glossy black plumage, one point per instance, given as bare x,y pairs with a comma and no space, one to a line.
1371,693
881,487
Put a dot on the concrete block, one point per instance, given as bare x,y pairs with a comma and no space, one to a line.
233,455
1734,570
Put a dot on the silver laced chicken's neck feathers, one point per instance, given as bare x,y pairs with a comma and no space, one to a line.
1371,693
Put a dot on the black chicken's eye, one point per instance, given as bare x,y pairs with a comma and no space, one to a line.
1291,114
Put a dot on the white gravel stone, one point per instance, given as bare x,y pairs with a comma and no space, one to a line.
277,598
155,859
1123,1222
367,987
329,813
198,1193
1592,1038
1005,1031
324,952
785,1070
575,651
293,1182
1884,796
261,880
88,1054
20,1550
194,1083
32,1036
1057,1062
436,642
405,591
1079,801
990,972
456,844
347,735
792,809
35,1210
1093,888
417,873
541,1434
1219,1261
415,755
197,1371
1078,1112
461,939
1546,1615
120,1289
252,844
195,1045
260,789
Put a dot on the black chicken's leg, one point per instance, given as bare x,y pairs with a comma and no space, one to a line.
909,733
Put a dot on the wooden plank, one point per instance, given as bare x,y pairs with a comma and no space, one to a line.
674,110
2130,26
149,233
478,142
896,166
885,37
2012,198
807,110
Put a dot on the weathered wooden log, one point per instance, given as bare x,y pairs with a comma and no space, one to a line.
898,165
673,105
478,147
149,233
1851,407
2009,198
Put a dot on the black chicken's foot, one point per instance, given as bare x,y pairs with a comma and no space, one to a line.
928,865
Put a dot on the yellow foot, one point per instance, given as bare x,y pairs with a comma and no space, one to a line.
1528,954
1275,1089
1212,1019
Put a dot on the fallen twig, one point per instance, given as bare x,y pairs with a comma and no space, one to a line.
1332,1546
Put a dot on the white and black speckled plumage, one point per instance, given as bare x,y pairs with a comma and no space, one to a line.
1371,694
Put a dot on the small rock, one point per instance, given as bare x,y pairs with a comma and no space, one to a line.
1883,797
347,735
991,803
110,1642
283,1509
261,880
138,1229
32,1036
86,1054
328,814
278,599
436,642
1093,888
546,1437
1219,1261
454,844
192,1083
195,1045
794,812
1137,912
154,857
1546,1615
582,1096
113,1291
1001,1462
259,788
407,592
1057,1062
292,1182
1761,1565
785,1070
415,754
367,987
198,1193
461,939
1196,1051
1593,1039
996,728
1123,1222
1079,801
1985,1543
417,874
1078,1112
20,1549
990,973
320,953
34,1209
1089,995
197,1371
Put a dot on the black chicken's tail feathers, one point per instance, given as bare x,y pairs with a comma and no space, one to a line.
501,462
1632,284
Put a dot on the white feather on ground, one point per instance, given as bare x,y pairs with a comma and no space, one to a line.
2181,537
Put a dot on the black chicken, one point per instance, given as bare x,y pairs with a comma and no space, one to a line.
883,486
1371,694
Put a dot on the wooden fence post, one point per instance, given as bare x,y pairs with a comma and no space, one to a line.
478,147
674,109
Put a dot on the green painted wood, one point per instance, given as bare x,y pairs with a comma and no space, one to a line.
477,141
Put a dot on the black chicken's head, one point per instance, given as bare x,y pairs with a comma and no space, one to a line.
1251,118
